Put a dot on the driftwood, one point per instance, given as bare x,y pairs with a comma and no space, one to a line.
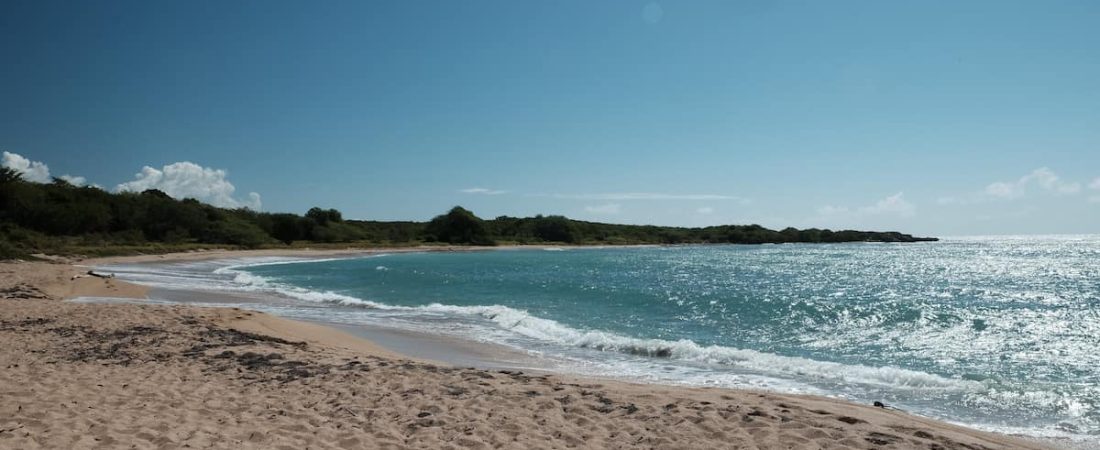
100,275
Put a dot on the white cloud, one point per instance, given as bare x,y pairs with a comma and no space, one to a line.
1042,180
705,210
75,181
482,191
190,180
33,171
1004,190
892,205
608,209
647,196
1042,177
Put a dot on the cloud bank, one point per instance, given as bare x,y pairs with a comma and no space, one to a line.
189,180
1042,180
1042,177
37,172
893,205
33,171
75,181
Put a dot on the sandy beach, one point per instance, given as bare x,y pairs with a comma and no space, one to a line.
146,376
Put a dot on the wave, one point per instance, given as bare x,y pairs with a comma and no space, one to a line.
248,281
280,261
523,323
547,330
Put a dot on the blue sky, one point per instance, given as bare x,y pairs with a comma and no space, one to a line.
944,118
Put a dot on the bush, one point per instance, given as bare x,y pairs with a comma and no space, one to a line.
458,226
555,229
236,232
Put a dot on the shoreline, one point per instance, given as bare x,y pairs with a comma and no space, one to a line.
800,421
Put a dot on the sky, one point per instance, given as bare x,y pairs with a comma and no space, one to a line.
934,118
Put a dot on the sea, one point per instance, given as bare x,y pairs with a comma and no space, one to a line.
997,333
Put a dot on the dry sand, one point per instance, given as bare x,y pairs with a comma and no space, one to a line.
144,376
30,280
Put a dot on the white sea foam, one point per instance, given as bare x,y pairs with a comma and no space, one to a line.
550,331
248,281
525,324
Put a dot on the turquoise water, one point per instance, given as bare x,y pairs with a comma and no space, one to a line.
1001,333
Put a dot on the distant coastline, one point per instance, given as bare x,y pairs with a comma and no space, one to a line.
63,219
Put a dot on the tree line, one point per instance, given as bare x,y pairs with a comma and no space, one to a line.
59,217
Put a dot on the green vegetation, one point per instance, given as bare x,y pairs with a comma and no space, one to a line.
458,226
60,218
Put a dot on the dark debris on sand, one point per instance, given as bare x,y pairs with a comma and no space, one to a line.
23,291
209,345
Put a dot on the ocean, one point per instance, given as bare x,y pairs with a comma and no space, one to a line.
998,333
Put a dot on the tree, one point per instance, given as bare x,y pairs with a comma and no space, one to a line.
57,216
459,226
324,216
9,175
61,182
555,229
156,193
289,228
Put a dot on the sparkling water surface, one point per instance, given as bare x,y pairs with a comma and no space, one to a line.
1000,333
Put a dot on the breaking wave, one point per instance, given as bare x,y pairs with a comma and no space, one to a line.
530,326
